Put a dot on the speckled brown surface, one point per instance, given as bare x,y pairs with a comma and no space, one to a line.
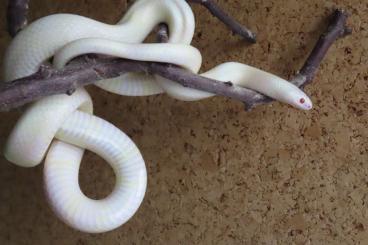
217,174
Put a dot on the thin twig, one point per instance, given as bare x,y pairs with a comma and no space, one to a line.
231,23
17,15
162,33
336,29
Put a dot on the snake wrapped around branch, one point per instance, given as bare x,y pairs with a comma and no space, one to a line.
69,119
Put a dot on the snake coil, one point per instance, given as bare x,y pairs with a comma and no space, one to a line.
59,128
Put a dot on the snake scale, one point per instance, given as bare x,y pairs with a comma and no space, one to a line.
59,128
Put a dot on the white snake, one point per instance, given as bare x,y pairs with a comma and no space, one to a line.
69,119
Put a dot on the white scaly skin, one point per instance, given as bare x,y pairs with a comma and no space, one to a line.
69,119
83,131
64,117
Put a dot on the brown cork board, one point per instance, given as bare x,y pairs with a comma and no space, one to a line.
218,174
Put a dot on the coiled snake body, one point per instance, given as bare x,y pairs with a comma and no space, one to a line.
69,119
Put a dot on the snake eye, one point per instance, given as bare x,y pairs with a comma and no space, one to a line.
302,101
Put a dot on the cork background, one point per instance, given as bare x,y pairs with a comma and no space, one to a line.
218,174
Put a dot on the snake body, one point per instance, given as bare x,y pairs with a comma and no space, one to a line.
69,119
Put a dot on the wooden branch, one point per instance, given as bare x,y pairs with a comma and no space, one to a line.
48,81
17,15
336,29
162,35
231,23
89,70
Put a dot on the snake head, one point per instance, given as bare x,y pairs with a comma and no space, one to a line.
301,101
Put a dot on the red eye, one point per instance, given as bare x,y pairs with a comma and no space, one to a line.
302,101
